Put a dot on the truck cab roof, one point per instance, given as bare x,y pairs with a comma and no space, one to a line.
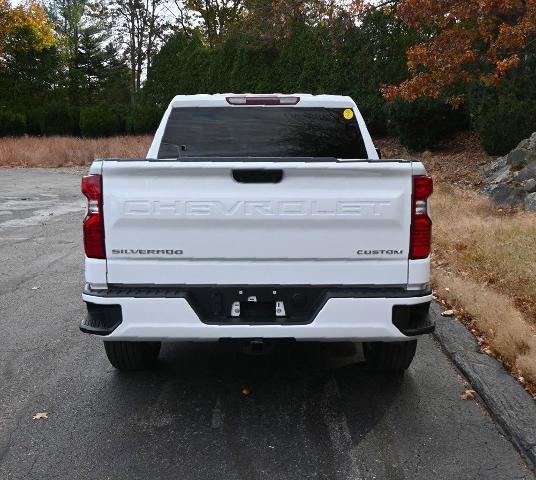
221,100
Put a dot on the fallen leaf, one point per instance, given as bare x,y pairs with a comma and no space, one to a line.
40,415
447,313
469,394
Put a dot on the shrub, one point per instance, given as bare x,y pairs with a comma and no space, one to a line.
144,119
12,124
423,123
504,121
55,118
374,111
32,122
99,121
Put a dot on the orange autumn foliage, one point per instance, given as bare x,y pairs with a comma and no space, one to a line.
470,39
22,27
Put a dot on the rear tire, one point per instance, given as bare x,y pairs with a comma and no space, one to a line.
132,355
390,356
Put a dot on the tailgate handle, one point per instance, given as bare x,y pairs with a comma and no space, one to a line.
258,176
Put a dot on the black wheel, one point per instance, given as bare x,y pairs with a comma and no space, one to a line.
390,356
132,355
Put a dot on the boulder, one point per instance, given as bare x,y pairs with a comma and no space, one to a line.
505,195
529,185
530,202
523,143
532,143
511,180
527,173
499,177
518,158
497,165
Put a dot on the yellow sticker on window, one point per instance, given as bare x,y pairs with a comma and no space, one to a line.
348,113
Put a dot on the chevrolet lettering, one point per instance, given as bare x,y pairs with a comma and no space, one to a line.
249,208
140,251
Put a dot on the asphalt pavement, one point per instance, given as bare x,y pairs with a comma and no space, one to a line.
206,411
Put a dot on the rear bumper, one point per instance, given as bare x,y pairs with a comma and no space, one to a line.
349,314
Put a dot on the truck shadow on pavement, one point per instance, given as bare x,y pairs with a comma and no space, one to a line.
304,404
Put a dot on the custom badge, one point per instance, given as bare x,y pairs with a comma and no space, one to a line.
348,113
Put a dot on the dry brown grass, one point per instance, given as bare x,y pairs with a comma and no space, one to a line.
502,327
476,240
68,151
484,263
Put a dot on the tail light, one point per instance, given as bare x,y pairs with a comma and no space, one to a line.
93,223
421,224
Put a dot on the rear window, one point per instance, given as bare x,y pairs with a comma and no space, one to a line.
262,132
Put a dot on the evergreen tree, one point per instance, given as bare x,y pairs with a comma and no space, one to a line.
89,62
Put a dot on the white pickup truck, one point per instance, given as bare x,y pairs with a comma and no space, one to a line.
256,218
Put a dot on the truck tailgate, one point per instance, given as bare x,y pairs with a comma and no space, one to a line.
172,223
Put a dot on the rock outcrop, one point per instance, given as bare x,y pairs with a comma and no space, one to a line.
511,180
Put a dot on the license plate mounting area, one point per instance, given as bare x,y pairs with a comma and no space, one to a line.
254,305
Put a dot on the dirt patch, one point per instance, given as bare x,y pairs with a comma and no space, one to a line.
458,161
